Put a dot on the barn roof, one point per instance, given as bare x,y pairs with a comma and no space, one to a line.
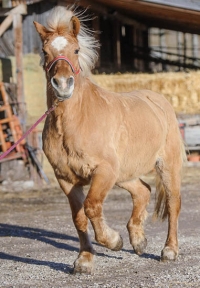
179,15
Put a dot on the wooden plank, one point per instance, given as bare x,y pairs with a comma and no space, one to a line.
12,156
17,24
6,23
157,15
5,120
2,140
3,108
185,4
117,44
19,9
192,135
13,124
3,94
193,148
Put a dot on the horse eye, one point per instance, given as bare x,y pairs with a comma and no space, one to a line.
76,51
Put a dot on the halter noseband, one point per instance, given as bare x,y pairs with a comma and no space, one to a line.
50,65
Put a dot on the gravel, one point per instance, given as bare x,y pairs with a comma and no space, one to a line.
39,243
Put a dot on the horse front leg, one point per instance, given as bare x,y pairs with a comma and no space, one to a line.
103,180
140,193
85,261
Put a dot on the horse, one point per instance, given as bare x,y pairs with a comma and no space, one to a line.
100,138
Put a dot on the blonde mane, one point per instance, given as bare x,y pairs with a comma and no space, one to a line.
59,18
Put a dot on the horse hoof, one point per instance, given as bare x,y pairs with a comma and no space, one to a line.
140,247
83,268
168,254
119,244
80,269
84,264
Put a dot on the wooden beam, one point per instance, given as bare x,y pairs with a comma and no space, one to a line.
129,21
117,44
18,35
5,24
19,9
157,15
88,4
185,4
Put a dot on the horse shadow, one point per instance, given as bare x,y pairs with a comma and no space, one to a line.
48,237
144,255
150,256
52,265
51,238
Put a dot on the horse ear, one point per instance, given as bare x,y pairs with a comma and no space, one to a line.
41,30
74,25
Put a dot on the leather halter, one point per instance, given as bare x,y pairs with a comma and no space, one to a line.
50,65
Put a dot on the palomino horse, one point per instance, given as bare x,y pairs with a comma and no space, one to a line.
104,139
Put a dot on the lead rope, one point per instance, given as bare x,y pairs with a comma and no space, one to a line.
29,130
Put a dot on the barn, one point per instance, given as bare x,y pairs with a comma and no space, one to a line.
136,35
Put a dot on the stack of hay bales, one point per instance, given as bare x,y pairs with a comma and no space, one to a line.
181,89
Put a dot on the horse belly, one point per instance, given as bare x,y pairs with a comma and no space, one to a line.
138,151
134,166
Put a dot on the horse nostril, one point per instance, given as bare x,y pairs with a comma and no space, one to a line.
55,82
70,81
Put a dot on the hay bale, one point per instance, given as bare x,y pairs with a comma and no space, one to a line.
181,89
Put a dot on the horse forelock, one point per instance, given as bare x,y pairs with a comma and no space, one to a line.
58,21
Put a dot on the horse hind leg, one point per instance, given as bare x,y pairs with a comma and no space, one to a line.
169,203
140,193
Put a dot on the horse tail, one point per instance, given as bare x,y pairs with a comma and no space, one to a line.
161,209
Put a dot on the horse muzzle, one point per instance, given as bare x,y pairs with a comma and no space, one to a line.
63,87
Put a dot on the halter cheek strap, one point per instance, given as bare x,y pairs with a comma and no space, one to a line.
50,65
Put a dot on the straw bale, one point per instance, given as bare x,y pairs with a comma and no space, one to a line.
180,88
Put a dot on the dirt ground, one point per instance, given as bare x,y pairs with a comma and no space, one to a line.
39,243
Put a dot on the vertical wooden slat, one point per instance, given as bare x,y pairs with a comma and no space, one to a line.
146,49
6,23
140,45
2,136
184,48
96,27
195,48
2,140
17,24
8,112
117,44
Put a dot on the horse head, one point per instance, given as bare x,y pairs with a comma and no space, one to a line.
60,53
